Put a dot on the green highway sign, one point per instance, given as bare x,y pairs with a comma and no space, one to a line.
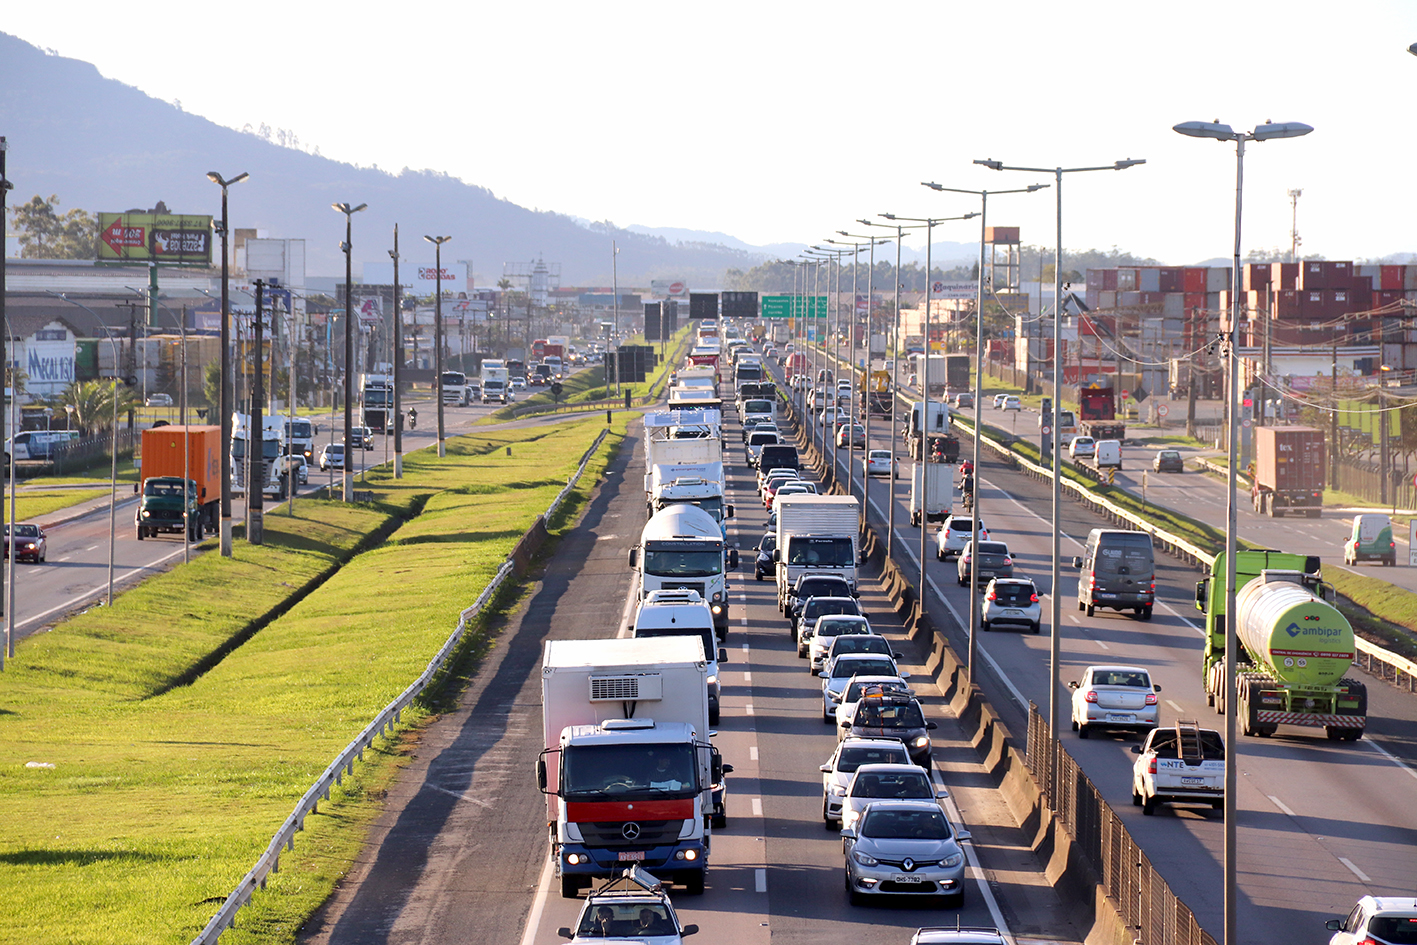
792,306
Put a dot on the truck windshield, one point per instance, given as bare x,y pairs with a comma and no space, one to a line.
820,552
683,563
301,429
757,406
377,397
622,770
163,488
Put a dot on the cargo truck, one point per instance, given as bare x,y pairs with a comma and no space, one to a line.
940,441
496,382
817,533
876,392
167,503
1097,414
682,548
271,449
376,399
1289,471
933,492
627,768
1295,647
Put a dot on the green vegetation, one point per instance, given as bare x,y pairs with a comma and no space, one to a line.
183,724
30,505
1381,612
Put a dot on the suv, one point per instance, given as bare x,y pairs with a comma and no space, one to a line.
884,713
814,607
814,585
955,534
1012,601
1377,919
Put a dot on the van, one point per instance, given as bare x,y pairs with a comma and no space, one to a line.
1107,453
1370,539
1118,571
37,444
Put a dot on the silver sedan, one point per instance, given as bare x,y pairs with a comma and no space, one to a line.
904,848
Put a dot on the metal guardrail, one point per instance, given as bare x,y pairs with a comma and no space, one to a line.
384,722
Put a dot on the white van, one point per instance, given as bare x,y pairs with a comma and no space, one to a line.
36,444
1108,453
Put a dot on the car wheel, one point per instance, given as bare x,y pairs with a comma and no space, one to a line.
1136,797
1075,725
1081,606
1091,610
1146,612
962,580
720,821
713,716
1148,806
957,900
827,717
1036,627
1082,730
939,555
984,625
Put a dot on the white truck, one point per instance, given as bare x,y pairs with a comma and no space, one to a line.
681,548
684,469
684,613
272,447
817,533
496,382
917,427
627,767
1182,763
933,491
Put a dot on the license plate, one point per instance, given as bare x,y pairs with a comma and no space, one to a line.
1193,780
906,878
1119,717
631,856
1013,613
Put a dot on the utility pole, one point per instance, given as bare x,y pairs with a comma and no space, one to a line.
256,436
1333,422
5,187
1294,239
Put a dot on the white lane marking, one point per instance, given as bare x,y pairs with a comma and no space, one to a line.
1390,756
752,752
760,880
743,598
1281,805
1355,870
743,621
748,709
91,547
65,558
757,807
745,647
975,869
1174,706
538,905
1101,644
747,676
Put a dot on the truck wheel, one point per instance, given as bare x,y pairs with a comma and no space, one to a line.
570,887
140,533
720,821
713,716
1146,612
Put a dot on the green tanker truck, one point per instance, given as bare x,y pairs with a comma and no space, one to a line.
1294,647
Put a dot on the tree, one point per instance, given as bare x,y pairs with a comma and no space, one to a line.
93,403
47,235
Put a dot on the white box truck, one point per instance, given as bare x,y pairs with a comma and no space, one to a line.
682,548
627,768
817,533
933,491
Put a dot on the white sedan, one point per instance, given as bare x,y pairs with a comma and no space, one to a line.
878,463
1114,697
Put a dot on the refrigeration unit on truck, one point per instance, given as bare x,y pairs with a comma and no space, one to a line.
1289,471
170,501
816,533
682,548
627,768
1295,647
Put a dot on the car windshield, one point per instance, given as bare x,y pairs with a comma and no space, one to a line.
24,531
890,715
853,691
624,920
768,543
818,606
1120,677
1125,554
861,642
902,785
161,489
822,588
1396,929
880,454
1170,454
844,669
906,825
853,758
1212,748
827,627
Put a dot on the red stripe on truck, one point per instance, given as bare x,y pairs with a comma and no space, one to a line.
588,811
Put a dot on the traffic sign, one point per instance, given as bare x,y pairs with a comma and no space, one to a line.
1048,430
1126,394
1246,423
789,306
1162,410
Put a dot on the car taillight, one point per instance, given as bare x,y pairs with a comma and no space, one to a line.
1151,768
1033,599
1090,696
1151,698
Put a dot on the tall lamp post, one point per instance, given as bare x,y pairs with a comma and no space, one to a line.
224,405
983,196
5,188
1219,132
438,242
1054,600
348,247
866,401
830,255
398,361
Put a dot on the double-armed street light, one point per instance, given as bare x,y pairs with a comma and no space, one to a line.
438,242
224,401
1218,132
348,248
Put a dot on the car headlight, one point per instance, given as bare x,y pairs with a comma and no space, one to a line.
954,859
920,742
836,790
712,680
863,859
717,608
146,513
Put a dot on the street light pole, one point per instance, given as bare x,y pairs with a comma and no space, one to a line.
1219,132
348,247
615,291
5,188
438,242
398,362
224,406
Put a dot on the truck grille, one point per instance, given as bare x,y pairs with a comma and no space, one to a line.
684,586
612,834
165,514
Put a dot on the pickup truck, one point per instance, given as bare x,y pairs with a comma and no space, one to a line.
1180,763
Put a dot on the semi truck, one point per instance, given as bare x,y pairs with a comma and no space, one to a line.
1289,471
376,399
941,440
682,548
817,533
627,768
932,491
170,500
496,382
454,384
1097,414
1295,647
271,449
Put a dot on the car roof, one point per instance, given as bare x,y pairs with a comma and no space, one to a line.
886,767
871,741
1390,903
1118,668
1013,580
907,804
849,618
960,935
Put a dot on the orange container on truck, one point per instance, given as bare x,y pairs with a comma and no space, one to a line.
166,451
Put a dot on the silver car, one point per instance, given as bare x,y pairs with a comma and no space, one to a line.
904,848
851,754
886,782
826,630
1114,697
993,561
837,676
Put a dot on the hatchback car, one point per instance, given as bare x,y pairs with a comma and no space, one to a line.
850,754
1168,461
1011,403
1383,920
363,437
779,472
1011,602
817,640
992,560
964,400
845,643
814,585
886,782
907,848
1082,447
158,400
895,715
332,456
837,676
28,542
853,434
631,907
763,564
877,463
1114,697
954,534
957,935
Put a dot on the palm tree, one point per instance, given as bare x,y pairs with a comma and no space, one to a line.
93,403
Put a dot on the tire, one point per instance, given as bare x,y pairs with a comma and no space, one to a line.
1148,806
713,716
1075,725
719,821
956,901
1217,805
939,555
1136,797
140,533
1081,606
1146,612
827,719
962,582
1083,731
1036,627
1090,609
694,883
570,887
984,625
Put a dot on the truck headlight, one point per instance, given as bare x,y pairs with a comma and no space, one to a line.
146,513
717,609
713,680
717,595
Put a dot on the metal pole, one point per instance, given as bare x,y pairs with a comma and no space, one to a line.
438,242
895,396
615,290
226,392
1232,780
186,451
1055,604
5,187
925,418
113,480
398,362
978,401
256,433
851,391
866,401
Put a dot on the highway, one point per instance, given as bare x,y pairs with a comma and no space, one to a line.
1320,823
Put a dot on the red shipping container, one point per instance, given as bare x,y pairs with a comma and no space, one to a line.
1109,279
1391,277
1385,296
1313,274
1172,280
1255,276
1284,275
1339,273
1193,280
1195,300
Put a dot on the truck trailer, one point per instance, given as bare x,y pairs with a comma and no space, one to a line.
1097,414
1289,471
171,501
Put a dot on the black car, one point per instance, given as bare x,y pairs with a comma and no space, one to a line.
883,713
1168,461
814,585
764,564
805,618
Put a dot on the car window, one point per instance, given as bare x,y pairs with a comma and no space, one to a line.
962,524
853,758
905,825
1011,593
861,643
901,785
993,548
853,692
864,667
1112,677
1396,929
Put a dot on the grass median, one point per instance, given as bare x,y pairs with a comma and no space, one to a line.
181,731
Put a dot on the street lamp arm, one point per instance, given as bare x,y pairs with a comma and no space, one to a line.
1121,165
979,193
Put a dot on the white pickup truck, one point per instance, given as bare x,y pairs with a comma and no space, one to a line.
1182,763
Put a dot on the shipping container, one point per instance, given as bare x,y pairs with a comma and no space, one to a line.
1172,279
1092,297
1339,273
1128,299
1391,277
1094,279
1217,278
1149,280
1173,304
1126,280
1289,458
1284,275
1193,279
1313,274
1107,299
1409,278
1255,276
1212,300
1193,300
1109,279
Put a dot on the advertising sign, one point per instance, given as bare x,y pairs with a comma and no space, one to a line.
169,238
670,288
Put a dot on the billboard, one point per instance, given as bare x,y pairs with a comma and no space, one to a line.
170,238
669,288
420,280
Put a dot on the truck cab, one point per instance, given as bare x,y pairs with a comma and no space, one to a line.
705,494
682,548
169,504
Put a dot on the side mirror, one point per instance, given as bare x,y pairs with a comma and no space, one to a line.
1077,562
825,769
723,654
541,774
1156,688
1136,749
564,933
903,675
634,557
961,834
777,556
689,929
848,833
846,724
823,675
855,593
1334,925
732,558
729,513
727,768
1073,684
931,726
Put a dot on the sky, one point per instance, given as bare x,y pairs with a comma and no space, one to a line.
782,122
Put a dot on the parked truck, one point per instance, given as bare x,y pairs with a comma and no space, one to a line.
1289,471
682,548
1295,647
933,492
1097,414
627,767
817,533
170,500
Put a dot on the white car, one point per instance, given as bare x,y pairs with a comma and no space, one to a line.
852,753
954,534
1011,602
1011,402
518,383
1184,763
158,400
1376,919
632,907
827,629
332,456
777,472
882,782
1114,697
1082,446
877,463
837,676
999,400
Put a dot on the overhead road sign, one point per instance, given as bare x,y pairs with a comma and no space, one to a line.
793,306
